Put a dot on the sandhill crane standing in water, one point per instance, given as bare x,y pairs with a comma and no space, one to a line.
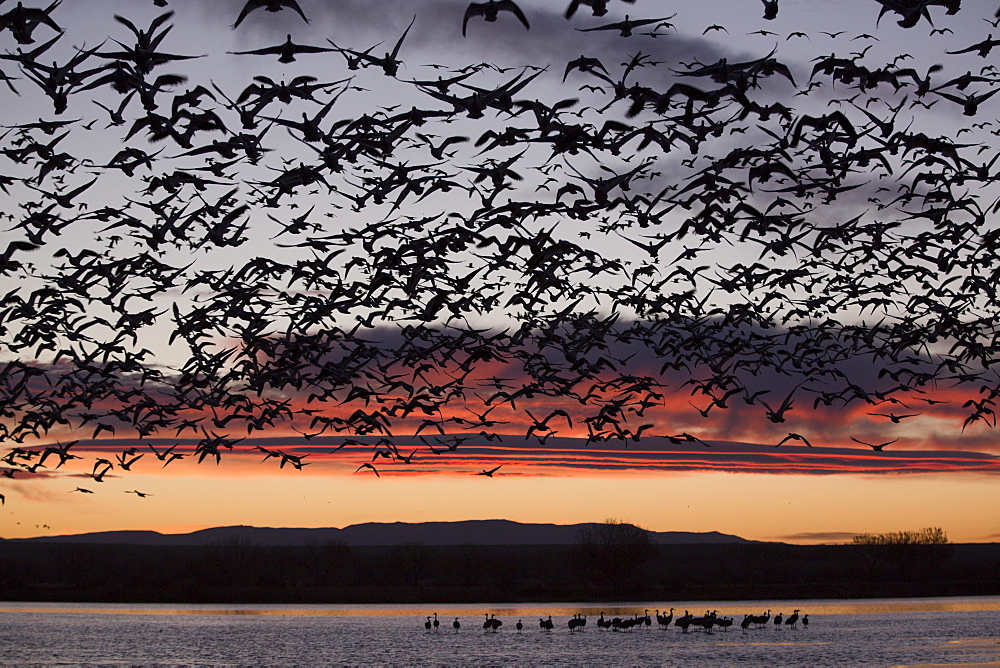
456,625
492,623
805,620
546,624
427,624
793,619
777,620
436,623
519,626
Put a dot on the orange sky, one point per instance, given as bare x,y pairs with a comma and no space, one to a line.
733,479
563,489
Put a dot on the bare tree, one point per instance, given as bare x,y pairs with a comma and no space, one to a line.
906,550
616,548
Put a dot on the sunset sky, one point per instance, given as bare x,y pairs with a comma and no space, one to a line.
682,464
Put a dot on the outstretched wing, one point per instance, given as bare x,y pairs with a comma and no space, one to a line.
473,10
292,4
128,24
395,50
247,8
510,6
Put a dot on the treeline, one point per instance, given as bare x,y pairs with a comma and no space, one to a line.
238,572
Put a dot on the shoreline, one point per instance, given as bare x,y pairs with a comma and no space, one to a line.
231,574
815,607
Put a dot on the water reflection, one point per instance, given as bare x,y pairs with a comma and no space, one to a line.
54,633
615,609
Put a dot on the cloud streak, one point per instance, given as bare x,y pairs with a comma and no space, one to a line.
558,456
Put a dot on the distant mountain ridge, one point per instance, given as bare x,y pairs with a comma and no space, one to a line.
469,532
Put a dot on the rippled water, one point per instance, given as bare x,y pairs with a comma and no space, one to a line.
892,632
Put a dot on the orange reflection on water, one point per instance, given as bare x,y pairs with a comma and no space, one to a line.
532,610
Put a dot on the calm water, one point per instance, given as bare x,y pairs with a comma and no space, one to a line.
883,632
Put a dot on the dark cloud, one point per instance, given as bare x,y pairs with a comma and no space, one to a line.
675,411
436,36
826,537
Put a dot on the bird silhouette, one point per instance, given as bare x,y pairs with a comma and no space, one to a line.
389,63
269,5
895,419
286,51
794,436
875,446
21,21
627,26
368,465
490,10
598,7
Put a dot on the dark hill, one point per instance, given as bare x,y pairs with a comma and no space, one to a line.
471,532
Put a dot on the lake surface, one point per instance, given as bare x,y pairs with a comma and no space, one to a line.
862,632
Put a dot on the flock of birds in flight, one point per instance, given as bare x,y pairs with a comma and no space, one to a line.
578,622
334,275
